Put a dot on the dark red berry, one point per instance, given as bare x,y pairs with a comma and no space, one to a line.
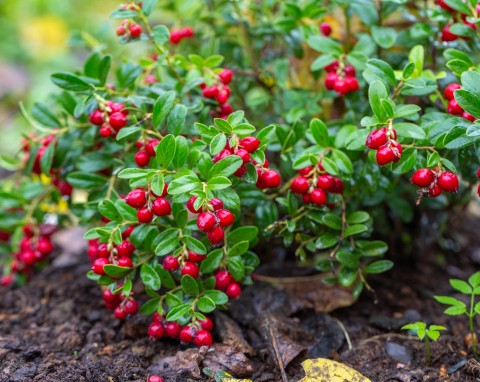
190,205
150,147
333,67
450,90
397,150
206,221
125,262
161,207
142,159
109,296
155,330
206,324
128,231
135,30
191,269
216,204
210,92
131,307
233,291
172,329
447,34
117,120
349,70
187,334
376,139
170,263
325,28
331,80
271,179
222,279
195,257
144,215
125,249
305,171
250,144
242,170
96,118
300,185
225,217
102,250
318,197
423,177
120,313
385,155
435,191
216,235
454,108
98,266
136,198
468,117
203,338
448,181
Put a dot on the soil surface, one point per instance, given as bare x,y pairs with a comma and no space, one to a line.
57,329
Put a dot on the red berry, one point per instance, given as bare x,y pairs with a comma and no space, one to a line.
120,30
448,181
191,269
225,217
326,182
454,108
206,221
135,30
222,96
478,190
349,70
117,120
244,155
29,258
222,279
131,307
300,185
155,330
216,235
325,28
128,231
444,5
385,155
210,91
118,107
341,86
468,117
125,249
156,317
188,32
216,203
105,131
161,207
332,67
242,170
176,35
120,313
170,263
306,198
102,250
450,90
187,334
144,215
376,139
206,324
190,205
44,246
222,154
98,266
305,171
125,262
226,109
423,177
172,329
195,257
28,230
435,191
155,378
109,296
478,173
352,84
318,197
225,76
397,150
330,80
142,159
203,338
96,117
250,144
271,179
233,291
136,198
447,35
150,147
65,188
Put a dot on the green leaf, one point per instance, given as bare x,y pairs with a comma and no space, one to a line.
409,130
161,34
189,285
223,125
218,297
42,113
195,245
218,183
325,45
342,161
133,173
346,276
474,280
238,249
163,106
448,300
320,132
376,92
150,306
167,241
330,166
116,271
379,266
86,181
327,240
128,132
176,119
185,184
218,143
468,101
108,209
332,221
461,286
165,277
355,229
166,151
205,304
71,82
248,233
385,37
178,312
212,262
150,277
47,158
357,217
225,167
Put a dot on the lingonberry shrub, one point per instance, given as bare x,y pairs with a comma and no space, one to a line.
216,140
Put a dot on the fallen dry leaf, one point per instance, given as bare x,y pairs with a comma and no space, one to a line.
326,370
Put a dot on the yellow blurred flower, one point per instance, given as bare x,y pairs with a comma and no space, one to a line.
44,36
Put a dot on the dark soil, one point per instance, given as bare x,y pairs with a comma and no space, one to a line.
56,328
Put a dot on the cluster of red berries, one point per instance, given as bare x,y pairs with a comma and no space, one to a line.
146,150
325,29
149,205
198,333
447,34
220,91
226,283
453,107
34,247
129,30
212,218
122,307
433,182
188,263
178,34
111,116
314,184
384,141
341,78
100,254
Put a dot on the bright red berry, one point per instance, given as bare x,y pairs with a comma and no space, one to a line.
125,262
376,139
210,91
423,177
203,338
99,264
206,324
444,5
120,313
216,235
195,257
172,329
136,198
106,131
96,117
447,34
352,84
155,330
305,171
161,207
454,108
187,334
468,116
144,215
225,217
44,246
434,191
176,35
150,147
102,250
244,155
333,67
448,181
341,86
109,296
450,90
226,76
349,70
250,144
190,269
206,221
222,96
325,28
135,30
125,249
190,205
222,279
131,307
155,378
326,182
117,120
271,178
216,203
300,185
318,197
330,80
233,291
170,263
385,155
142,159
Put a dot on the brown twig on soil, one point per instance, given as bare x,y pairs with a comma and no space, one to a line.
278,356
345,333
386,335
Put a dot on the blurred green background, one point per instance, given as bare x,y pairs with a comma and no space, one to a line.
40,37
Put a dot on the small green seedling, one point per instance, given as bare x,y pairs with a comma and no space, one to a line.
457,307
427,334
